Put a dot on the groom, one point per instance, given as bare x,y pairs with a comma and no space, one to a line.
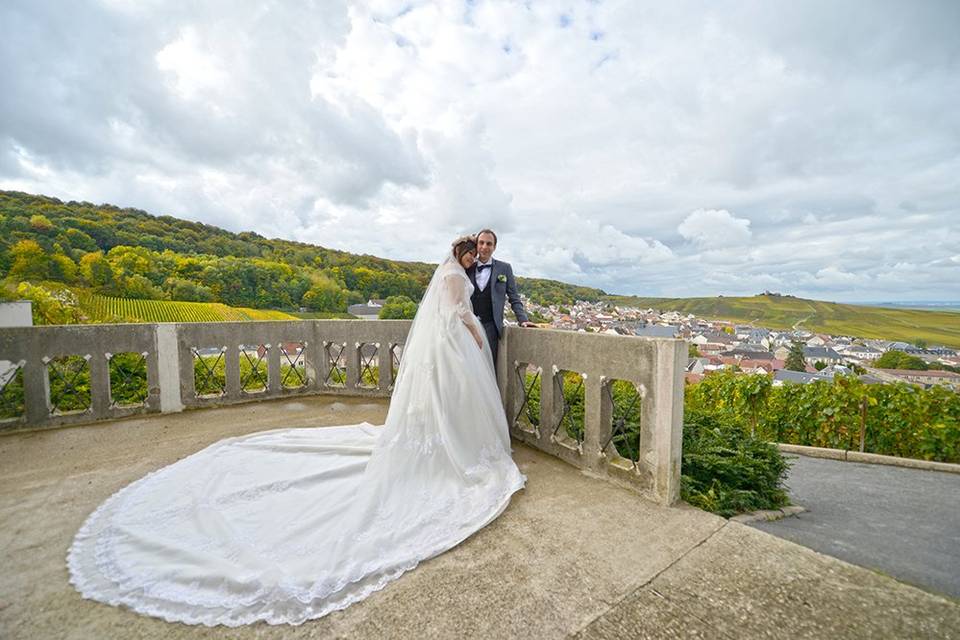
492,283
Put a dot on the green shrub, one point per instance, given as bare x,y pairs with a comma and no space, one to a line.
728,471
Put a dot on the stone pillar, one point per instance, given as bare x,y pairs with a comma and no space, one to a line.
352,353
168,382
314,358
99,364
231,370
274,361
504,367
667,421
597,413
36,390
551,402
384,365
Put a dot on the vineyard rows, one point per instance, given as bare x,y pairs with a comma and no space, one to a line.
107,309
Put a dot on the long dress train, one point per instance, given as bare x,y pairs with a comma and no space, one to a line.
288,525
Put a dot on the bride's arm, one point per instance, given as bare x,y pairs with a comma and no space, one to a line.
453,298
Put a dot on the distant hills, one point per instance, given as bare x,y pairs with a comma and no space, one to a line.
105,253
786,312
932,305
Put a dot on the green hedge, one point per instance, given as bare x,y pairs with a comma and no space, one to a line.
896,419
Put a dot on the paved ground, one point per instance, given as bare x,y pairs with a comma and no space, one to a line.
571,555
903,522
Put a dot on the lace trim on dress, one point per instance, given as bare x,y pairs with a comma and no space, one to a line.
151,597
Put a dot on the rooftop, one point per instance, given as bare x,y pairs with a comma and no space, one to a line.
930,373
571,556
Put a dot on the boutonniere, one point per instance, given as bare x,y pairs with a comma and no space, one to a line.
501,278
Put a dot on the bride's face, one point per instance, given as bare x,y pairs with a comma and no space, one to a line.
467,259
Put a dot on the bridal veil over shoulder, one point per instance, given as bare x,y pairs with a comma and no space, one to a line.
288,525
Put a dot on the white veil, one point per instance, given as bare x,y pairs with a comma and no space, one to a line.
445,303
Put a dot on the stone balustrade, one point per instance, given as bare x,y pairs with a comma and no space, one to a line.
618,415
645,422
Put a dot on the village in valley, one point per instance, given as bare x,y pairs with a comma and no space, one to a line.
716,345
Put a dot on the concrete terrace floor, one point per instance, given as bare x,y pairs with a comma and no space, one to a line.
571,555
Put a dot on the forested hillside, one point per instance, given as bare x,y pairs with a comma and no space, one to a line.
129,253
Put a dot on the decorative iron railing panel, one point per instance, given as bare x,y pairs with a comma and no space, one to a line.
293,365
299,357
71,374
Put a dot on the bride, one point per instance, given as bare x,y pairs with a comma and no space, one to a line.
288,525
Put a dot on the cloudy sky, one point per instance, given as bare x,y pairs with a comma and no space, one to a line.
654,148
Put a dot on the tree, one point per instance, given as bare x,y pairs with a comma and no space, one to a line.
325,296
187,290
795,361
130,261
398,308
50,307
97,271
80,240
62,268
40,222
899,360
140,288
820,365
920,343
693,351
30,261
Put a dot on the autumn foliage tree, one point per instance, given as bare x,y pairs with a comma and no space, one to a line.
398,308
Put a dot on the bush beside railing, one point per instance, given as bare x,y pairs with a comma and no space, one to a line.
726,470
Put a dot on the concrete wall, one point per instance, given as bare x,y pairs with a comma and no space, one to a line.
170,350
16,314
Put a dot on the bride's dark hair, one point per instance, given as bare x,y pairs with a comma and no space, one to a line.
464,245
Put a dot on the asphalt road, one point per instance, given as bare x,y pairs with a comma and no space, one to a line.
902,522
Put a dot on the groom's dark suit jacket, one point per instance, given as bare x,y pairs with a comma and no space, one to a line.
502,289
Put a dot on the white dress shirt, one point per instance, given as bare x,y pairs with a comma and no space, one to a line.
483,275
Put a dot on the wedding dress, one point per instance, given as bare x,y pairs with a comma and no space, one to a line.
288,525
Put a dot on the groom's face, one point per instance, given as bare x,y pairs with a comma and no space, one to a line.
485,246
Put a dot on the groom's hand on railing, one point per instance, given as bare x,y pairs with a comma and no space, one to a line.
528,324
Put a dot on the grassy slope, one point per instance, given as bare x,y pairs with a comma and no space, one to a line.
936,327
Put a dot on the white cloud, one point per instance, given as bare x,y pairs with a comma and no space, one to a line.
809,147
194,69
834,277
715,228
